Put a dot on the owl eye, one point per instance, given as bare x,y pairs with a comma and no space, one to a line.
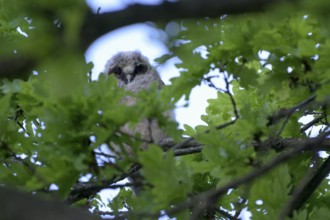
140,68
116,70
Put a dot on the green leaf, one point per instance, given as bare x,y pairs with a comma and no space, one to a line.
306,48
170,178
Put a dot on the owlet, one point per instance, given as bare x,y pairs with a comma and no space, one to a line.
134,72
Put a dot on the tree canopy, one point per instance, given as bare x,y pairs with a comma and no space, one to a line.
263,150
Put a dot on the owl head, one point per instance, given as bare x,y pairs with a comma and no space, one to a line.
126,66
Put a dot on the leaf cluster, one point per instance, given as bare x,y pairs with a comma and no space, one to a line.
271,73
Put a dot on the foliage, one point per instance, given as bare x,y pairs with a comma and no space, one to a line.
56,126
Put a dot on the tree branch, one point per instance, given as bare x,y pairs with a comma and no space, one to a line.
83,190
311,123
17,205
289,143
283,113
87,189
303,193
95,25
16,67
213,195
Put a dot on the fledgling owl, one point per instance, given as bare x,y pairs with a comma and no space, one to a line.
135,73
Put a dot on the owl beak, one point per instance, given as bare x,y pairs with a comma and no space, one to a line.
129,78
129,72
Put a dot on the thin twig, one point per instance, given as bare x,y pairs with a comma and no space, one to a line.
106,155
240,204
183,143
219,127
211,84
325,113
222,126
186,151
135,137
98,212
286,112
311,123
226,214
225,76
278,133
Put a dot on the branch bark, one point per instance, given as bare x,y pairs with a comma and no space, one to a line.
16,67
96,25
304,192
17,205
